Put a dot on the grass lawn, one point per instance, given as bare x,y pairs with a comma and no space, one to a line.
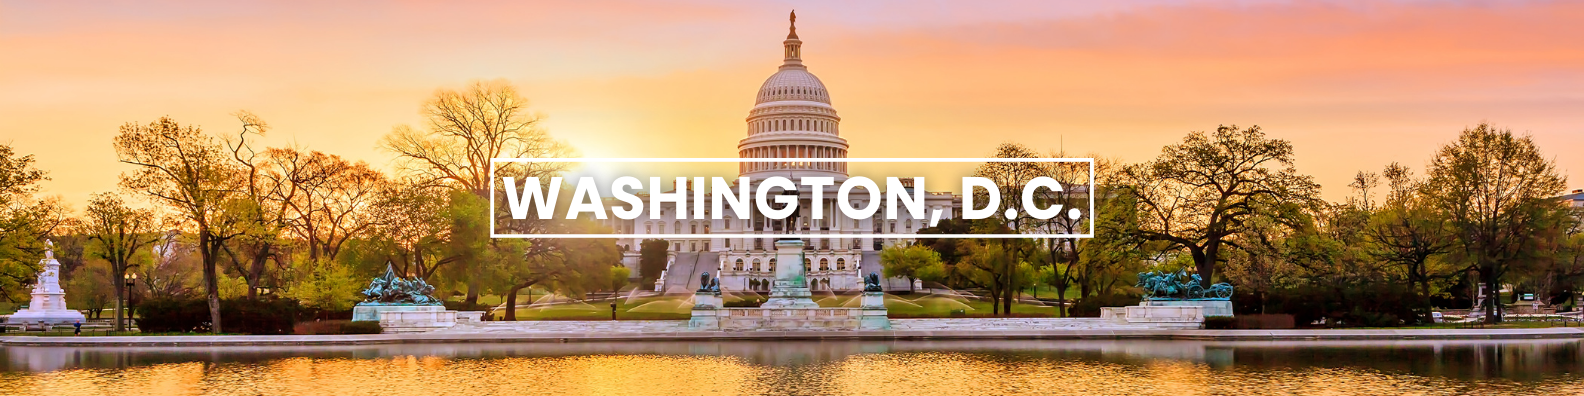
647,308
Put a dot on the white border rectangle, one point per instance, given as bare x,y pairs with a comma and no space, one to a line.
1091,190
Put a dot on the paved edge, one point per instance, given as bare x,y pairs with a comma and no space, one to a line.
457,338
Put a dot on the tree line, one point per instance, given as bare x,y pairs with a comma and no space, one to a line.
221,216
1231,206
226,217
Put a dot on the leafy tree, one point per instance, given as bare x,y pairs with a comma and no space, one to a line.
950,249
24,222
325,284
1070,261
652,259
1409,232
119,233
1009,178
1114,256
189,171
906,261
570,267
989,266
415,226
89,289
1495,190
619,277
1199,193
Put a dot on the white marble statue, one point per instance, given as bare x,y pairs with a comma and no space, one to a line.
48,306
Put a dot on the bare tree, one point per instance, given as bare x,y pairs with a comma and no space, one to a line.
466,130
328,200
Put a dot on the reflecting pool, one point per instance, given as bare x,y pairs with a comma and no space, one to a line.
1033,367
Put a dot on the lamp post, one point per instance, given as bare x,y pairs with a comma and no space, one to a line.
131,280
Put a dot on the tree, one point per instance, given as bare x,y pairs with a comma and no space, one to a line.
951,250
327,200
618,277
1409,232
570,267
325,284
1069,260
256,219
414,227
1114,256
1009,177
652,256
1199,193
990,266
906,261
1494,189
24,222
120,233
89,289
187,170
465,130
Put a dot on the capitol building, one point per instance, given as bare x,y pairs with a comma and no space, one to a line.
792,118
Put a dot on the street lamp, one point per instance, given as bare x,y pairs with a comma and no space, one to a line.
131,280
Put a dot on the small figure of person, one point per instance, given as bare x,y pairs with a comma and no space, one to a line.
77,328
613,309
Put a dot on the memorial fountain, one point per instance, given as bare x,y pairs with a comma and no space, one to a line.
789,306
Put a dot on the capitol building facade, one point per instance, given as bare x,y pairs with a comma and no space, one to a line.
793,119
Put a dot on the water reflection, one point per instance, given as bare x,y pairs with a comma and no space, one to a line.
808,367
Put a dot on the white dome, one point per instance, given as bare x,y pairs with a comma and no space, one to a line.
793,83
793,124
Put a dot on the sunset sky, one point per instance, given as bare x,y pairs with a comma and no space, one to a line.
1354,85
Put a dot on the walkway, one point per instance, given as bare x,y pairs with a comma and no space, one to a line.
903,329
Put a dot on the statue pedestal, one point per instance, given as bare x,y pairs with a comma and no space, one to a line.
1211,307
1165,317
706,311
873,315
790,289
406,318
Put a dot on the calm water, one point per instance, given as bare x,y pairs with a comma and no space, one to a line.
909,368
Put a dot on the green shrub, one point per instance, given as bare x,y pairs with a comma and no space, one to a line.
162,315
464,306
959,312
1265,321
362,327
241,316
1220,322
1090,307
336,327
259,316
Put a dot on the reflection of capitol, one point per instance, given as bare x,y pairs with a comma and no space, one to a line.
792,118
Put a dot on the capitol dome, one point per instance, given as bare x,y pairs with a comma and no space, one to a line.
793,84
792,119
